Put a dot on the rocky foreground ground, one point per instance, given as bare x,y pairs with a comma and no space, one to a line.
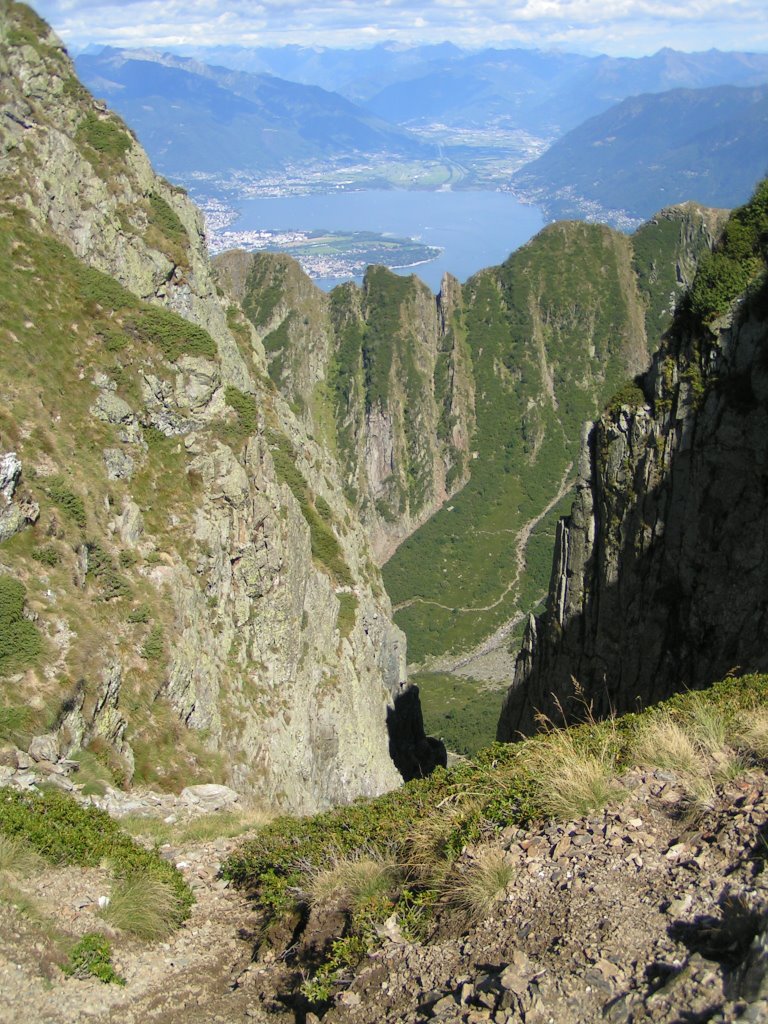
644,912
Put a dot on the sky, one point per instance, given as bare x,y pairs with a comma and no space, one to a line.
618,27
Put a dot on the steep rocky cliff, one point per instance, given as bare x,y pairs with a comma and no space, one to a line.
660,578
381,374
203,599
552,333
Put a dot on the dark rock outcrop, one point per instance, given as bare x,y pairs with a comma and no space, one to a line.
660,575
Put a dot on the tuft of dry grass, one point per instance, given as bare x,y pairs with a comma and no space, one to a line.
18,859
475,891
751,733
146,907
428,852
572,782
702,747
199,829
665,743
352,881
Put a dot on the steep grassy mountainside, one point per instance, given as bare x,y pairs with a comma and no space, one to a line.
380,374
659,578
185,592
553,334
702,144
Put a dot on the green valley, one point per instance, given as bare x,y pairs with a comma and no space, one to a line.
554,333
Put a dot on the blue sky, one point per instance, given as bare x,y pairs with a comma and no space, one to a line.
619,27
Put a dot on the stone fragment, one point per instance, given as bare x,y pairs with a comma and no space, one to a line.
45,748
212,796
119,464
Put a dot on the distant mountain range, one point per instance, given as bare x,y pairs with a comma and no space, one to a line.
191,116
551,91
520,88
703,144
633,134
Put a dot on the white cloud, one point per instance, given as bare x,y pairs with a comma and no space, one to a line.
616,26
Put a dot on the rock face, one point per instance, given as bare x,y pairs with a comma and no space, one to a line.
209,601
660,578
381,373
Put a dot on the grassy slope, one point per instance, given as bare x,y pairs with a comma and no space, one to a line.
63,324
550,333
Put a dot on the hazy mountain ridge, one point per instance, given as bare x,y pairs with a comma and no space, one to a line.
224,119
705,144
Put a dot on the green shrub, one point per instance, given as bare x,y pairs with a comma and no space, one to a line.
165,218
325,547
173,335
154,646
102,568
139,614
71,504
104,136
724,273
347,613
64,832
47,555
92,957
20,641
630,394
246,409
97,289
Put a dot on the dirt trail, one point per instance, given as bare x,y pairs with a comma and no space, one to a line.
188,979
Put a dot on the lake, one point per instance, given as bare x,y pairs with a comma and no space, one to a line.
474,229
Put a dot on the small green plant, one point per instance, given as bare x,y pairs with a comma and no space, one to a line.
154,645
71,504
128,558
92,957
20,641
346,954
140,614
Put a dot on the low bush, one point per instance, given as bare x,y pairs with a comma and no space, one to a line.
20,640
172,334
71,504
65,832
154,646
92,957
